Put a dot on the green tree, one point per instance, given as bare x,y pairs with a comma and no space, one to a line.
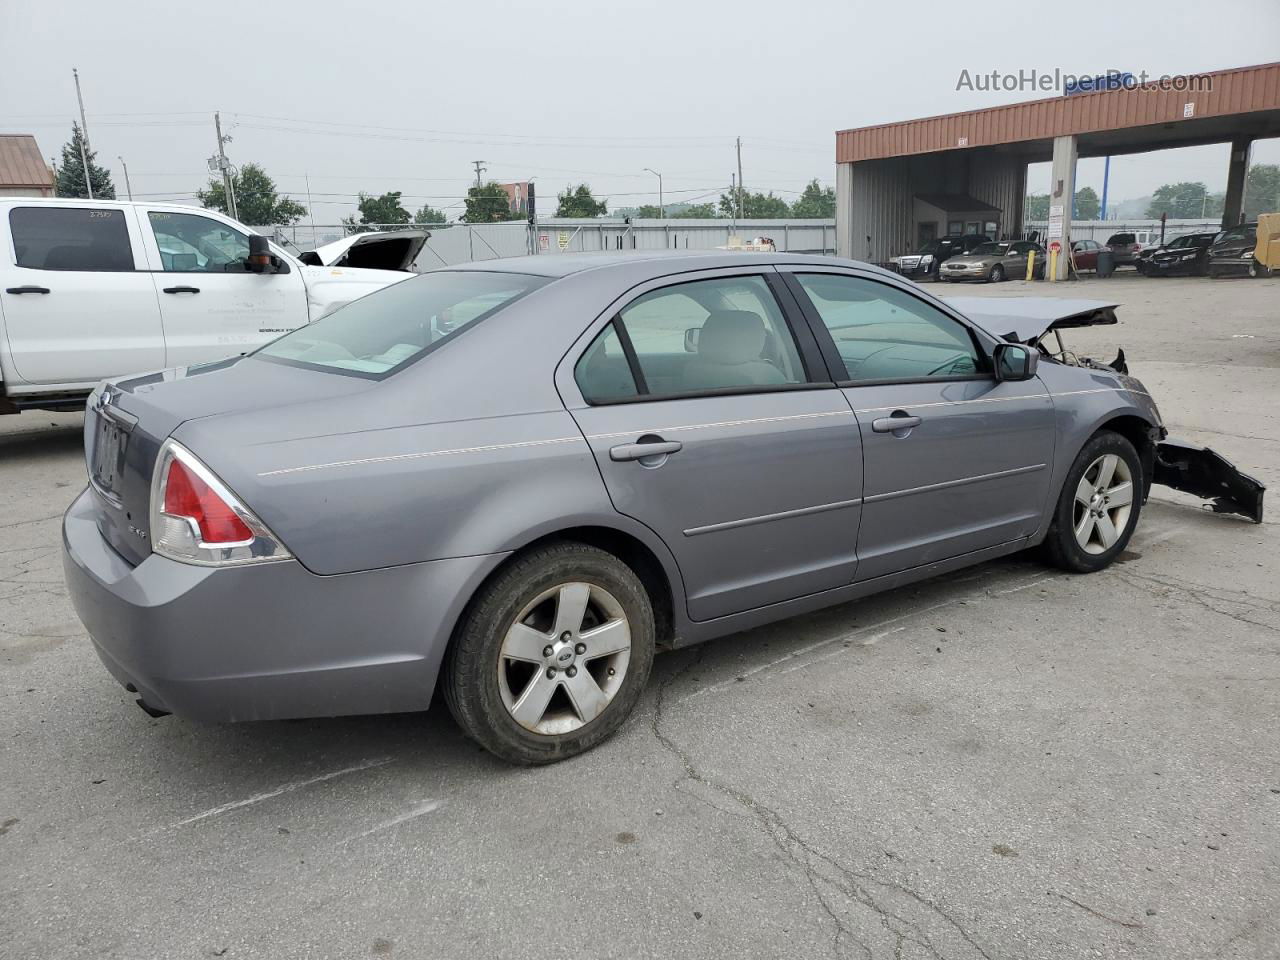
257,202
1185,199
429,214
816,202
488,204
755,206
1036,206
1086,206
696,211
578,202
1262,190
375,212
647,211
70,180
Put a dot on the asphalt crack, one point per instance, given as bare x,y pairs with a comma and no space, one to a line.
852,884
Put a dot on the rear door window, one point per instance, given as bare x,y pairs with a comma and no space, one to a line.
71,238
724,334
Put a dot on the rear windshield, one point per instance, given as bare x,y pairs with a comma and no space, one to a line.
1122,238
386,331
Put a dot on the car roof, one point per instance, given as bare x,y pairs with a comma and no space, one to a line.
644,261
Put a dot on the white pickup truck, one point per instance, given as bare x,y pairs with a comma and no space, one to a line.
91,289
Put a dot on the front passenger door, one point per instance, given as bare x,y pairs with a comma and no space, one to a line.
955,461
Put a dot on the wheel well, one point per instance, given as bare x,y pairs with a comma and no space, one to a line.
631,551
1140,433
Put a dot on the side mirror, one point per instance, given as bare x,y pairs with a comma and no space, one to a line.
1015,361
260,259
691,339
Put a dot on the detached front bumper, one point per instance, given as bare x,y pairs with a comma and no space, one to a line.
1205,473
269,640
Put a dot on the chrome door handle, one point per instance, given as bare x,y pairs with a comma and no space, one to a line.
895,423
643,451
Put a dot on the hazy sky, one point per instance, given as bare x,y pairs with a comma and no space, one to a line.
391,95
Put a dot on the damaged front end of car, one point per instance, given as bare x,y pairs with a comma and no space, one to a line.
1199,471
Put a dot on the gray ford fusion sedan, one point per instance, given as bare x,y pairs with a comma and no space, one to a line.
516,480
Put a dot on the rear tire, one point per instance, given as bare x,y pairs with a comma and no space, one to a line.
1098,508
529,707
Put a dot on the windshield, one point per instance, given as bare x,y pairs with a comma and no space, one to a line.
386,331
933,246
1238,233
990,249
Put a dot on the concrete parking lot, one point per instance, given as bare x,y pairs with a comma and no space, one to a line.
1010,762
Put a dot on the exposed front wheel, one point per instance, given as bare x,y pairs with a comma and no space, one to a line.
1098,508
552,655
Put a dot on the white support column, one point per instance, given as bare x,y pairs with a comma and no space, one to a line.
844,210
1062,191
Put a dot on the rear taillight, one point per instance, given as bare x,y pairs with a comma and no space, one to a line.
196,519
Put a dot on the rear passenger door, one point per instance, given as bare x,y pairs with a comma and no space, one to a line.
78,303
713,422
955,461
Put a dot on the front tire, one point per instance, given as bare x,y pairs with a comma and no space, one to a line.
1098,508
1256,269
997,274
552,655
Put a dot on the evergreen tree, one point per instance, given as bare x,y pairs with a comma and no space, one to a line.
70,182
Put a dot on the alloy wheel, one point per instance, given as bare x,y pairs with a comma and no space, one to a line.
1103,503
564,658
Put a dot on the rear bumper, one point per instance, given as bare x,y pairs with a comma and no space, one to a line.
265,641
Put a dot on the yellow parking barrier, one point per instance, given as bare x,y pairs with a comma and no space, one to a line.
1031,264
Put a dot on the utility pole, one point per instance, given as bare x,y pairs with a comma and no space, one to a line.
84,136
128,188
311,209
480,168
662,207
740,189
225,167
733,207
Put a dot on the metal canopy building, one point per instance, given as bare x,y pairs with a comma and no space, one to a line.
883,170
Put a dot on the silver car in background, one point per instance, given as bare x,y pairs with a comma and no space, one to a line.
516,480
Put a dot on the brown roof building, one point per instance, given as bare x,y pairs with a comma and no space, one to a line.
883,169
23,172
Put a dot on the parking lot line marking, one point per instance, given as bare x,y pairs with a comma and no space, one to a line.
422,809
270,794
876,637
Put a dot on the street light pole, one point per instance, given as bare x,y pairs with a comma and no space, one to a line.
662,208
127,186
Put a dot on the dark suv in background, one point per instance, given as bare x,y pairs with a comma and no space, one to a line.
924,263
1124,249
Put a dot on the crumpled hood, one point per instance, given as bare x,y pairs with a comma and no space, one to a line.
384,250
1027,319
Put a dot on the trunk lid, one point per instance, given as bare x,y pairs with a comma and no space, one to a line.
128,419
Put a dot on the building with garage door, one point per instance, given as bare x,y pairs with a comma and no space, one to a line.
23,172
886,174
